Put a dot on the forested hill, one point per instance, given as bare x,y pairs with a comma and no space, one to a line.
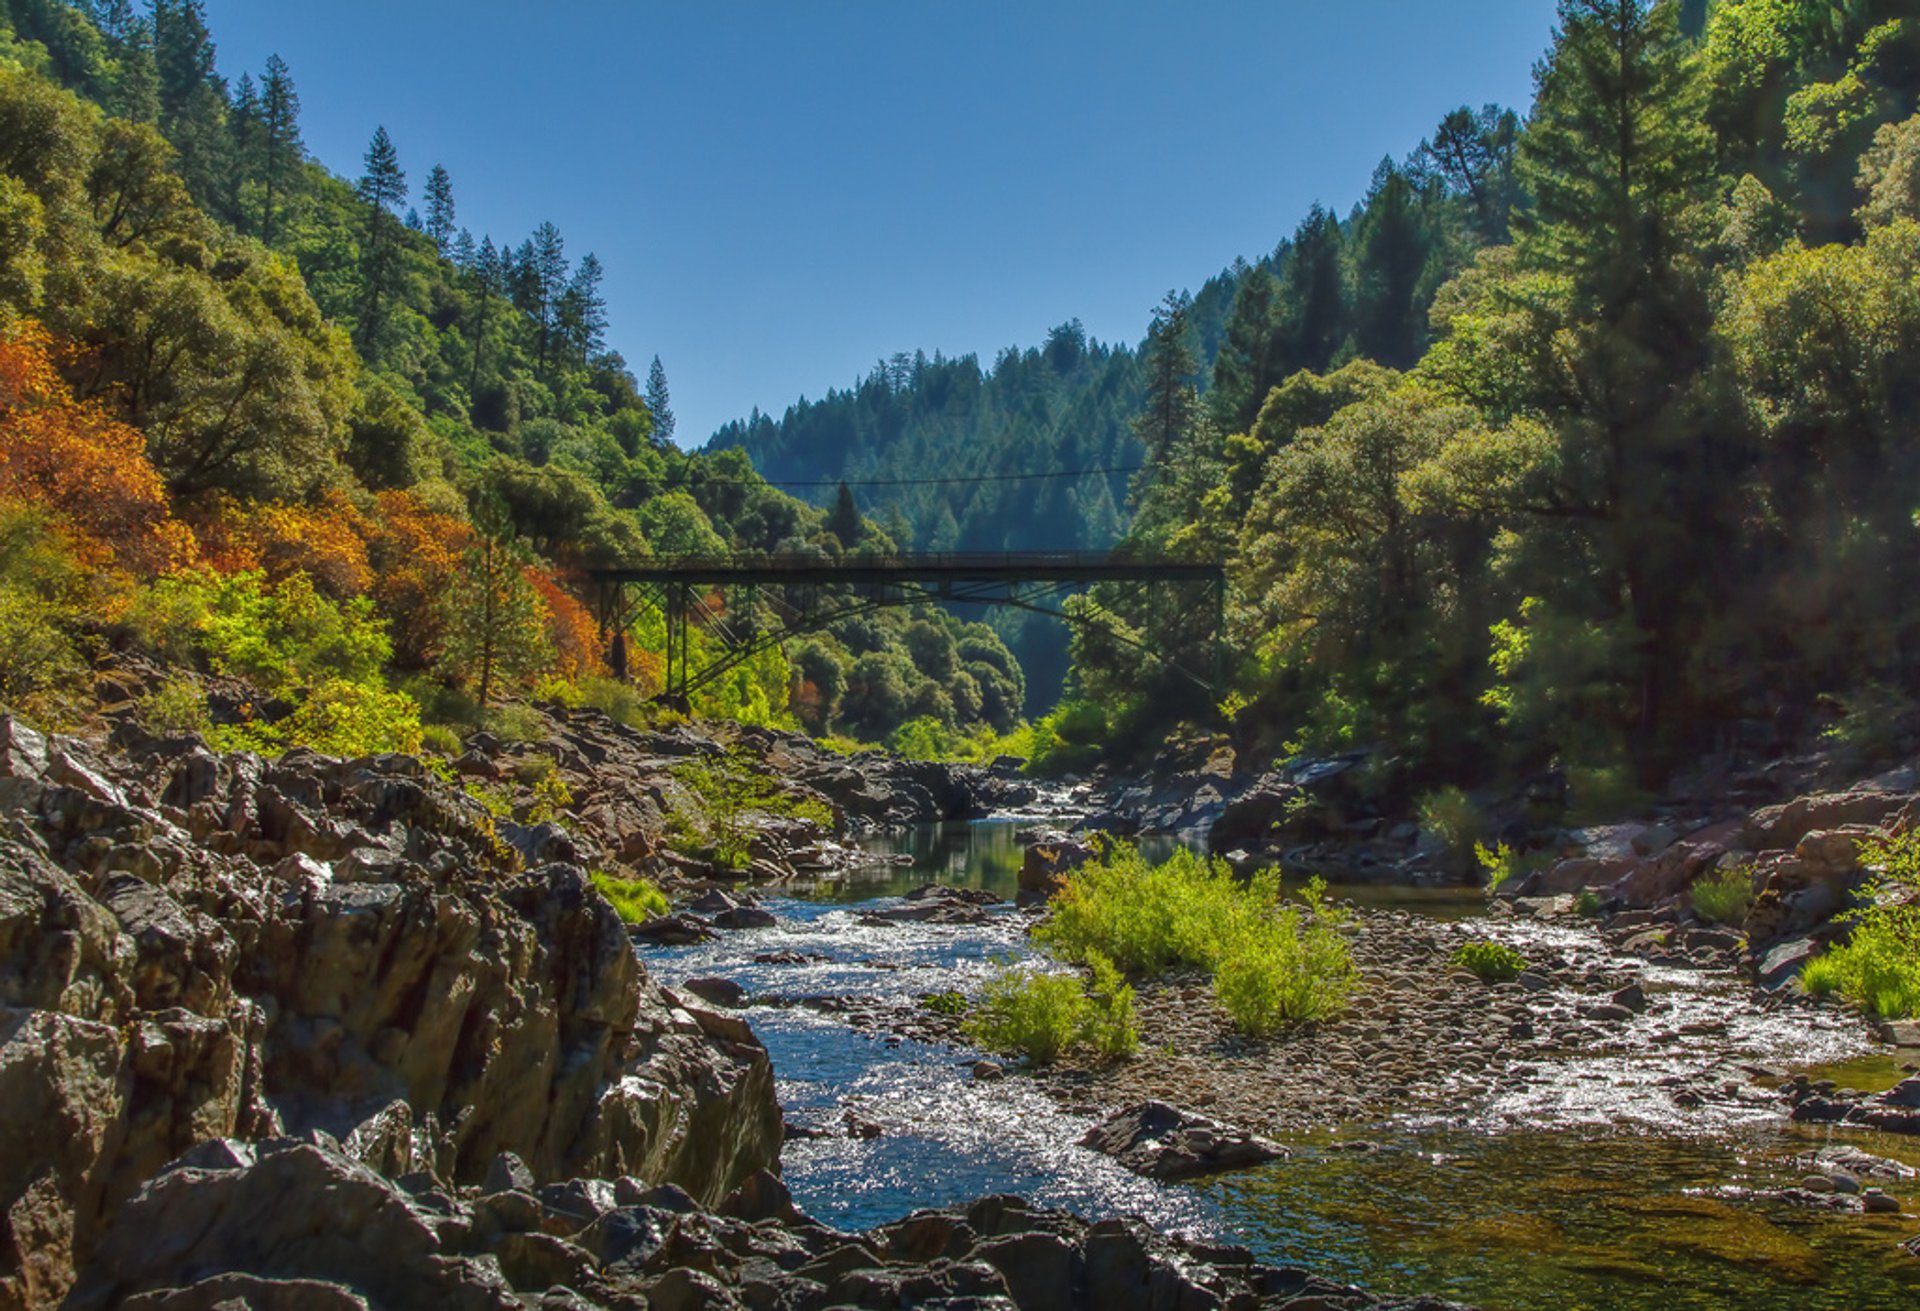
937,448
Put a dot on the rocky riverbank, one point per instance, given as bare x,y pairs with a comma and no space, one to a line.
313,1033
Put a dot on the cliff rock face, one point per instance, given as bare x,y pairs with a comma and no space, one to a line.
197,947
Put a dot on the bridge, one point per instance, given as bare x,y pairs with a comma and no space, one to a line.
806,593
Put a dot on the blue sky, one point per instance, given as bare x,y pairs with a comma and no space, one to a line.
782,193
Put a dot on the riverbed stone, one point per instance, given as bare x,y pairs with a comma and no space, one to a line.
1162,1141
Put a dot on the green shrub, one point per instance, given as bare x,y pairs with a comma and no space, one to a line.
40,657
1072,738
1494,962
618,701
1878,966
1587,905
1271,964
1502,862
1040,1016
283,636
534,769
635,900
729,790
551,798
441,739
1022,1012
1286,970
515,724
945,1003
338,718
1449,814
1724,896
176,706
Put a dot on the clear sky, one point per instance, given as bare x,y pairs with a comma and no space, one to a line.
784,191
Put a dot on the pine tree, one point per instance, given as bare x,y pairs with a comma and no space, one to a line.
439,197
382,188
1615,157
582,316
659,404
487,277
280,123
547,272
493,621
1392,247
844,521
192,100
1315,294
1471,154
1168,415
1244,370
136,77
244,127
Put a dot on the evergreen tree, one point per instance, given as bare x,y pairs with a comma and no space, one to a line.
659,404
382,188
1171,402
492,620
544,265
135,90
1615,158
844,520
191,99
582,317
488,279
244,129
1245,369
1315,294
1471,154
439,196
280,145
1392,247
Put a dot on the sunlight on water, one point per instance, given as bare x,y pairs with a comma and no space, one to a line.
1585,1187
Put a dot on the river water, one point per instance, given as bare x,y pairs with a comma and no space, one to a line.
1582,1190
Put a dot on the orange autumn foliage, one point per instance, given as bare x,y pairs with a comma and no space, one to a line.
78,461
327,541
415,553
575,637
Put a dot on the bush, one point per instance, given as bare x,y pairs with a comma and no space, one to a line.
177,706
1878,966
635,900
1449,814
39,657
1287,970
945,1003
514,724
283,637
1271,964
1040,1016
728,790
1502,862
1494,962
618,701
1724,896
338,718
441,739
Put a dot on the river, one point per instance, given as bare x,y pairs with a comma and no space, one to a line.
1581,1190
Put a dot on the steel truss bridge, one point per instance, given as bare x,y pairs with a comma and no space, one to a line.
804,594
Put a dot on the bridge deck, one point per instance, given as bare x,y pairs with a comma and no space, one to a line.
965,567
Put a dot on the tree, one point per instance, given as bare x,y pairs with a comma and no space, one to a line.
488,279
191,96
243,146
493,622
582,315
280,132
1391,249
1245,369
382,188
1168,415
844,520
659,405
1315,294
1471,153
546,274
1616,160
439,220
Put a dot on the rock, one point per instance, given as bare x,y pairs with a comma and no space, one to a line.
229,1291
1876,1202
1653,840
1784,961
1817,1183
1050,856
744,917
988,1071
1782,827
507,1173
1905,1093
721,992
1633,997
1164,1142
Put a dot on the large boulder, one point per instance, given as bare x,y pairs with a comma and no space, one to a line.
1165,1142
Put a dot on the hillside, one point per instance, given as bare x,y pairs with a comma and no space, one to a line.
304,391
